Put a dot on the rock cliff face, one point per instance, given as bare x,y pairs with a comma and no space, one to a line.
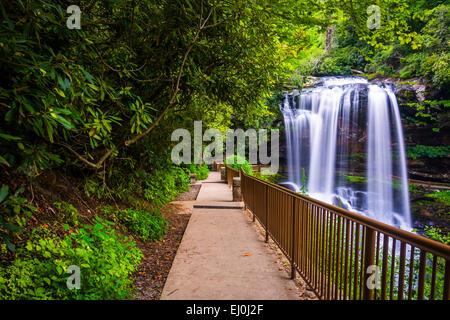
412,90
411,95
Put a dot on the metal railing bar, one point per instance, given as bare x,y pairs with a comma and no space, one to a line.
418,241
331,248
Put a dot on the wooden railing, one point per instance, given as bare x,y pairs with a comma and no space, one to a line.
344,255
231,173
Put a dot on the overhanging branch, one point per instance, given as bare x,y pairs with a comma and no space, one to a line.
108,153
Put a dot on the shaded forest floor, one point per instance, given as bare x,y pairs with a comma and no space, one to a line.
56,186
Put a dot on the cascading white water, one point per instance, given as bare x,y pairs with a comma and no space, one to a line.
348,130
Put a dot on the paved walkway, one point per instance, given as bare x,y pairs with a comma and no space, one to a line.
220,255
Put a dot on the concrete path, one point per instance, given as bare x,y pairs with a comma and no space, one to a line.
221,257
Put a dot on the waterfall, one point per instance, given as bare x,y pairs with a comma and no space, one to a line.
346,135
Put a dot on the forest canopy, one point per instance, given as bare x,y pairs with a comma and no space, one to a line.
84,96
137,69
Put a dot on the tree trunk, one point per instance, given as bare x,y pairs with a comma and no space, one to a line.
330,38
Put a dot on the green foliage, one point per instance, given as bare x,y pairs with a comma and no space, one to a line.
420,151
80,96
158,185
13,212
411,41
441,196
106,260
393,270
437,234
414,188
391,267
430,113
133,72
355,179
358,156
238,162
69,214
202,170
310,55
424,52
147,225
340,61
163,184
381,63
303,187
273,178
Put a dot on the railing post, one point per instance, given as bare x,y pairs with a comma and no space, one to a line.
446,293
266,212
369,251
254,216
422,271
223,173
237,189
243,189
293,240
253,198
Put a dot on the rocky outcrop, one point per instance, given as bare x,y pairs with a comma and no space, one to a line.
415,90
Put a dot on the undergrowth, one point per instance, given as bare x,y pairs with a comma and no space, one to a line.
36,259
105,257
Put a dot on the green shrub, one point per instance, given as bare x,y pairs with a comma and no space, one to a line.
202,170
13,210
182,181
441,196
163,185
419,151
414,188
69,214
237,163
106,260
412,65
147,225
438,67
158,185
437,234
340,62
273,178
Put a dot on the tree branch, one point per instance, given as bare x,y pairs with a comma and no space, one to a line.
79,156
134,139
